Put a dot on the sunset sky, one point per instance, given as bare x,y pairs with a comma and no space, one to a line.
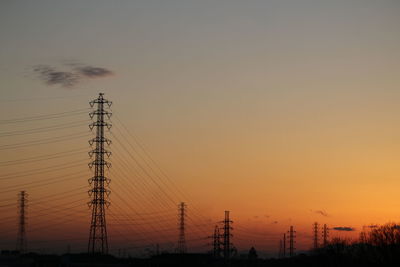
284,112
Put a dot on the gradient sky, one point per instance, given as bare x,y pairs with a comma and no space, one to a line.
271,109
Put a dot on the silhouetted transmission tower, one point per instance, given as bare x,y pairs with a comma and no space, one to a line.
21,237
316,239
181,240
291,241
325,234
216,243
227,246
282,247
98,230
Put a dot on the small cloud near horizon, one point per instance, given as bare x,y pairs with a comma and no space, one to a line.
344,228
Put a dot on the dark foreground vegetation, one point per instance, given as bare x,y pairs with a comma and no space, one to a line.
380,247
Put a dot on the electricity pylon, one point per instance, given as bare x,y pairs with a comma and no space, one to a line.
316,239
291,241
227,245
98,242
284,246
216,243
21,237
181,241
325,235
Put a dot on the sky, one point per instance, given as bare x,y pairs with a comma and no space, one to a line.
282,112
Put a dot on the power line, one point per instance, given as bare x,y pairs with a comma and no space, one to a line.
43,157
40,171
43,129
163,173
45,141
45,116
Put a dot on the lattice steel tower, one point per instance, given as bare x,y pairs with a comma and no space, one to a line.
181,240
21,236
325,234
291,241
227,249
99,193
284,246
216,242
316,239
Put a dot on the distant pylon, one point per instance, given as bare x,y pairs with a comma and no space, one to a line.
316,239
181,241
216,243
227,246
291,241
325,235
284,246
21,237
98,242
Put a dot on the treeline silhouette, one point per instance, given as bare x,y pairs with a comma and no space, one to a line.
379,247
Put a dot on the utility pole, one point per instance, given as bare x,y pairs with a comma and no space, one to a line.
325,235
181,241
291,241
216,243
98,242
315,228
227,236
21,237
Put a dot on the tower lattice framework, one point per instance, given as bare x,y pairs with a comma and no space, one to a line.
227,245
216,242
292,236
316,237
181,240
98,242
21,236
284,245
325,235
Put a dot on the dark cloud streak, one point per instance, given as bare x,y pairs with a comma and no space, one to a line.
344,228
52,77
70,78
94,72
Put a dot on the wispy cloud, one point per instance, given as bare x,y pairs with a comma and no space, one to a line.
320,212
70,77
344,228
94,72
53,77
